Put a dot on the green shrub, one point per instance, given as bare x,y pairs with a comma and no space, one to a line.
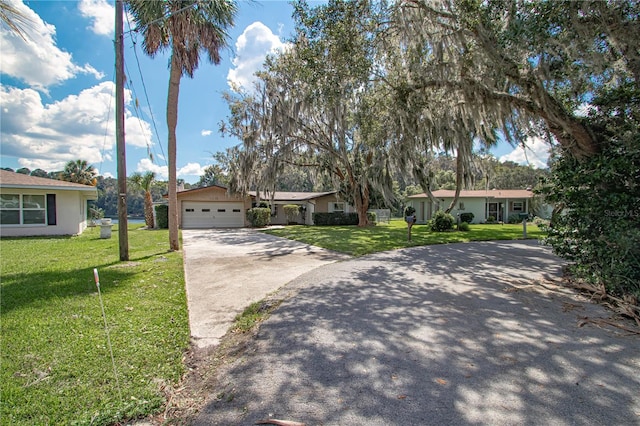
464,226
292,212
467,217
442,221
514,218
335,219
162,216
599,229
491,219
409,211
259,216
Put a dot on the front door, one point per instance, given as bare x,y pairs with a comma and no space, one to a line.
492,210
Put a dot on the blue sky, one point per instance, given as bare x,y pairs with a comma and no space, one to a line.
56,90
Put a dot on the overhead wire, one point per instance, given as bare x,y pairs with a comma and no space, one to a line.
106,127
146,94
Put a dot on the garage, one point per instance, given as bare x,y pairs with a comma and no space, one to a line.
206,214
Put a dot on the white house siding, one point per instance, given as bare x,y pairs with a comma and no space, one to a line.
471,205
476,202
71,214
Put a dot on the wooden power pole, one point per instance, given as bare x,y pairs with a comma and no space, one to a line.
123,235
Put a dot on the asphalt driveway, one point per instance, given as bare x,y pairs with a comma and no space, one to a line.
454,334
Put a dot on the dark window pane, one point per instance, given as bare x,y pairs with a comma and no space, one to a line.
10,217
32,217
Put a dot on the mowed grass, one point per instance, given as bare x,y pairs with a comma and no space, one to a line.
56,364
382,237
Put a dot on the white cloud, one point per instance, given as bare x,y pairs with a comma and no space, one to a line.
191,169
76,127
162,172
252,47
536,153
206,132
102,14
37,61
146,165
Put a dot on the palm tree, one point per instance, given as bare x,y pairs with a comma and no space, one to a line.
144,182
14,18
187,28
79,171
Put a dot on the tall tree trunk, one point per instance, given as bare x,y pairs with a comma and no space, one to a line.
459,181
172,123
148,210
362,204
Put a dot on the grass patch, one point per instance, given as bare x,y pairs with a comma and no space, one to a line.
382,237
253,315
56,366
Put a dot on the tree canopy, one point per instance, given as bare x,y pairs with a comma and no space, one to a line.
370,90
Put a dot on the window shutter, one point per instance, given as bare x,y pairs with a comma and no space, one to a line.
51,209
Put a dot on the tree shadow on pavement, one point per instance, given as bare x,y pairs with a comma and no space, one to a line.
433,335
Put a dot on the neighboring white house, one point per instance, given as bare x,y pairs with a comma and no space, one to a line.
32,205
497,203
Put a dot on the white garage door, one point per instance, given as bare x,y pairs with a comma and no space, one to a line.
212,215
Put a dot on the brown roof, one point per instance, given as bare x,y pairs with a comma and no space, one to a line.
18,180
278,196
291,196
200,188
492,193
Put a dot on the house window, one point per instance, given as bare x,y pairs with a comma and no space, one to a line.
23,209
338,207
10,209
222,210
189,210
236,210
206,210
517,206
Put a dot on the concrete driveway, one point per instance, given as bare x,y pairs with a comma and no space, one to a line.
453,334
228,269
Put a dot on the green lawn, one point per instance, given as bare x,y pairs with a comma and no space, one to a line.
360,241
56,365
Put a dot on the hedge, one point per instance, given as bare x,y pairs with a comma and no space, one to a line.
162,216
335,219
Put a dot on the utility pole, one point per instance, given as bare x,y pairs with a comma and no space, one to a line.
123,236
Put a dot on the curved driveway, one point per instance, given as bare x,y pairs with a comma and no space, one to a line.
449,334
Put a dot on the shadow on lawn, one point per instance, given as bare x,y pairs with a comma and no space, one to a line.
23,289
433,335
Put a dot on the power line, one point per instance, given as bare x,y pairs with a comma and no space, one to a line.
129,84
106,127
146,95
